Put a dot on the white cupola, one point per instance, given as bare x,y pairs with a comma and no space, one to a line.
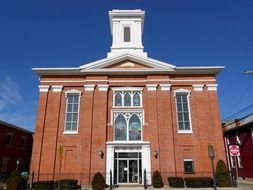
126,29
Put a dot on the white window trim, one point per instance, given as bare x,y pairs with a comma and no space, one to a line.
128,89
128,111
190,131
72,91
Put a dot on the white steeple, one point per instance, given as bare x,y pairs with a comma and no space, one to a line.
126,29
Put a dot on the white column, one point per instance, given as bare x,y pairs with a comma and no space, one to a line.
146,163
109,162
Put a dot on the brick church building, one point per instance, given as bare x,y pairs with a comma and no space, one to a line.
126,113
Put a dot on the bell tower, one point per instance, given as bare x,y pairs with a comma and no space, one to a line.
126,29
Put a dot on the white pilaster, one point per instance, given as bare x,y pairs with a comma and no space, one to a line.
109,162
103,87
198,87
151,87
146,163
89,87
165,87
43,88
57,88
212,87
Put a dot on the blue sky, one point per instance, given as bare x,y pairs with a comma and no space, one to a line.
65,33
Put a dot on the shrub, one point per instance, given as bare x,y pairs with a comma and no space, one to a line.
222,175
157,180
198,182
98,182
13,181
176,181
43,185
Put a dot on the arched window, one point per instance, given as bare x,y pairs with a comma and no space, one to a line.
136,99
127,99
134,128
120,128
118,99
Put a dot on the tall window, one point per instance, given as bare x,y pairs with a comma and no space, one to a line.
72,111
5,164
183,111
127,98
127,126
127,35
9,138
23,142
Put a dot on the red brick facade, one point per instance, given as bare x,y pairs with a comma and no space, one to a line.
92,146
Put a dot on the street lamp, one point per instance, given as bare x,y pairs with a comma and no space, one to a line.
211,156
18,161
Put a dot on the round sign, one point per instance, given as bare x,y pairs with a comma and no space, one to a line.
234,150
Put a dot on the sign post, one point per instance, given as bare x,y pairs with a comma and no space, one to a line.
234,151
211,156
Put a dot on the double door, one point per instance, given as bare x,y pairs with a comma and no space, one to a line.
128,170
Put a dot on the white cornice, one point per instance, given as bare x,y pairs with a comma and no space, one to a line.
89,87
57,88
212,87
151,87
43,88
103,87
198,87
165,87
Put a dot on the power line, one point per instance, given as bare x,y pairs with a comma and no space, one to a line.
239,112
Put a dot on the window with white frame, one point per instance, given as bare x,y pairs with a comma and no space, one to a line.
183,110
72,111
128,126
189,166
127,98
5,164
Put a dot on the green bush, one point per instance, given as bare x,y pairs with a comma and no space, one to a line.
222,175
198,182
43,185
98,182
13,181
157,180
176,181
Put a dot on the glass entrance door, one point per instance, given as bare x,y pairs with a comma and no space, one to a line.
127,168
133,171
128,171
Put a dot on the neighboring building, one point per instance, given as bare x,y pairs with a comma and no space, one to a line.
15,148
126,113
240,132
